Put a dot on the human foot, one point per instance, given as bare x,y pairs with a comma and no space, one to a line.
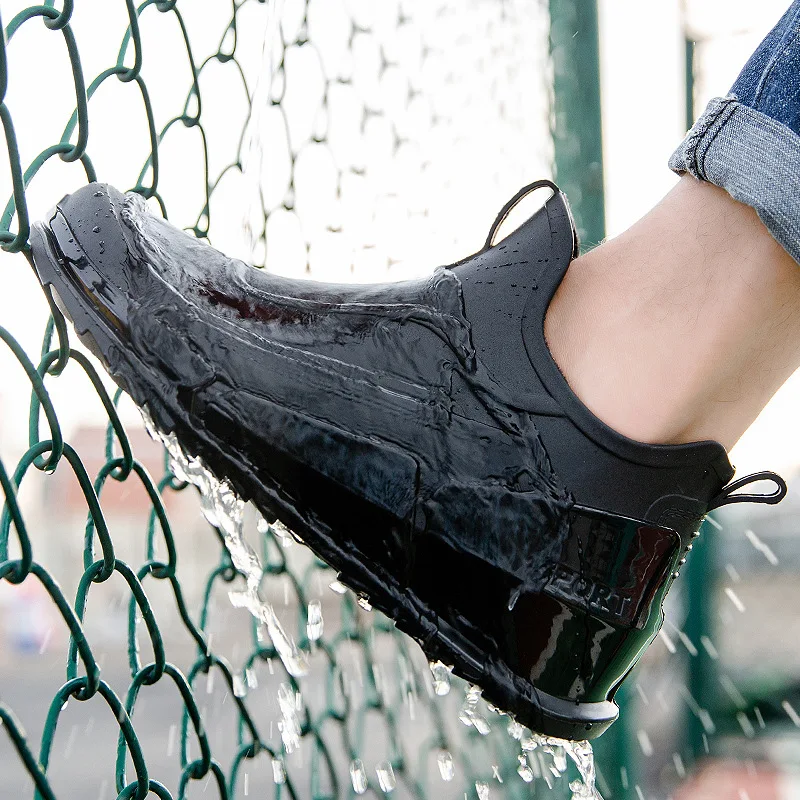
682,328
418,436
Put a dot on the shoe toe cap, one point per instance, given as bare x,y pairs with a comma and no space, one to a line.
93,216
88,231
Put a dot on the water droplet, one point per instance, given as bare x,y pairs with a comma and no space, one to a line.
358,776
790,712
469,714
515,730
481,725
96,229
560,760
446,767
482,790
239,688
441,678
680,769
668,643
734,598
363,601
524,770
98,194
386,779
337,587
251,678
289,724
762,547
283,534
315,624
278,771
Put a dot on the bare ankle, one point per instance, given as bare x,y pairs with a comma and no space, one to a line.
683,327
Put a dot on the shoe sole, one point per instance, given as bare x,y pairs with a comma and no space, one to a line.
439,640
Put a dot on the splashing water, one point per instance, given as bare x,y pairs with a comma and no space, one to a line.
223,509
580,753
583,758
560,750
470,715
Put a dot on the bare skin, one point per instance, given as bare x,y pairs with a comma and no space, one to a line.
682,328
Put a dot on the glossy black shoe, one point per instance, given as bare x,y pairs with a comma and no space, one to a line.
417,436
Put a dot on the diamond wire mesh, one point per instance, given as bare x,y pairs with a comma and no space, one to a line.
333,136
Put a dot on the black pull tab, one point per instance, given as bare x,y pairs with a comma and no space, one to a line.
509,206
727,496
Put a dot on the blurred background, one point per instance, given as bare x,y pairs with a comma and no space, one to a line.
353,140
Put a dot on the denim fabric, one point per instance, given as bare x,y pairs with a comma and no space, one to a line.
770,80
748,142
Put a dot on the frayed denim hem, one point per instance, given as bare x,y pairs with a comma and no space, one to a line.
754,158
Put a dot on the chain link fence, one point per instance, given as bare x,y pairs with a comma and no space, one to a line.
333,138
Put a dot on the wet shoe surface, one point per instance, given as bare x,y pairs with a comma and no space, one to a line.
416,435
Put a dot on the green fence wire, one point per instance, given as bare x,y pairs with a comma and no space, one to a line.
369,697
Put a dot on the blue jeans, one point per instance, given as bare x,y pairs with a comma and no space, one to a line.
748,142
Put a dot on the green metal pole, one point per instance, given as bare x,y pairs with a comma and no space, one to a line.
577,138
699,571
578,144
689,48
700,678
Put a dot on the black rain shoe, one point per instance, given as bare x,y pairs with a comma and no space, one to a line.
417,436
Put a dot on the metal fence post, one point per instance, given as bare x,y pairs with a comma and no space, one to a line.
699,609
700,567
578,144
577,136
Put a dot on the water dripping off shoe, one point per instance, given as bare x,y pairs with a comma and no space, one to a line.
224,510
470,714
441,678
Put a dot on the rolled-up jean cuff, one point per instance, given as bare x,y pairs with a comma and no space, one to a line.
755,159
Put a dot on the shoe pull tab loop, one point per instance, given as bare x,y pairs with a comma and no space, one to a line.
726,495
509,206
